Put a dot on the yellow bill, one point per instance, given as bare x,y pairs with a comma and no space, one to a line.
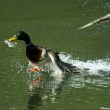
14,38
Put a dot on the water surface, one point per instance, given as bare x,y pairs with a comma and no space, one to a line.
54,24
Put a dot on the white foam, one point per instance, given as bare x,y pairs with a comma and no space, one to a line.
94,66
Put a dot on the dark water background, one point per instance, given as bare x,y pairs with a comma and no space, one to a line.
53,24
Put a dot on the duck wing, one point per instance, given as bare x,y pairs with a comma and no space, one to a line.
62,66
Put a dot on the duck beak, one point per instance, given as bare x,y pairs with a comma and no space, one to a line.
14,38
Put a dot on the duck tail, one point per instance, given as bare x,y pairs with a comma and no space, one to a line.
69,68
63,66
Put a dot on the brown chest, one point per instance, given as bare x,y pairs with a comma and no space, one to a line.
33,55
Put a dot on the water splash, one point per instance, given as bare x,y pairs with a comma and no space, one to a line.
95,66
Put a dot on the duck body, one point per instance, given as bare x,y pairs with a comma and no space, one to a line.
37,54
33,53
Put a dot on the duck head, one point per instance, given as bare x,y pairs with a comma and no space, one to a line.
20,35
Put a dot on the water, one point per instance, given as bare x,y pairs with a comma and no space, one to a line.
54,24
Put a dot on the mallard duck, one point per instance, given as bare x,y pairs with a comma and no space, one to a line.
37,54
